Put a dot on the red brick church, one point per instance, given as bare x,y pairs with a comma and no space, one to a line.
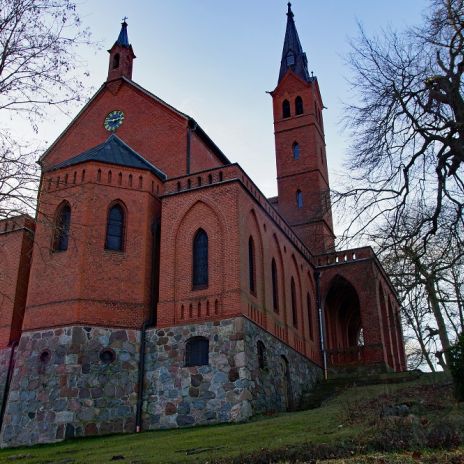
158,287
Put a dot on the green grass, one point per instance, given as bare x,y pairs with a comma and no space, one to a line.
336,422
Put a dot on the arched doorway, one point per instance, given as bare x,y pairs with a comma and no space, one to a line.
286,386
343,325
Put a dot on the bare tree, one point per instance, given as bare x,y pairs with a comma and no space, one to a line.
38,69
407,124
428,278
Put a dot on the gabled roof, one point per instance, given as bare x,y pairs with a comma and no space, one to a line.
191,122
113,151
293,56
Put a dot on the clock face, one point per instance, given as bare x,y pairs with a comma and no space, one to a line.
113,120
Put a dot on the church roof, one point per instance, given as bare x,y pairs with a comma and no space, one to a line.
113,151
293,56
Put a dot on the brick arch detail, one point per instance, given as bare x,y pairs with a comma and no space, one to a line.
201,214
254,230
331,323
299,292
282,316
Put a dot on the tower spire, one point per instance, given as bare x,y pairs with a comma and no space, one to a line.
293,56
123,38
121,55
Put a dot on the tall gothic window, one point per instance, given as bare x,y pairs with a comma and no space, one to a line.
200,259
296,151
310,318
62,224
115,228
286,109
275,287
294,309
251,265
197,351
299,199
298,105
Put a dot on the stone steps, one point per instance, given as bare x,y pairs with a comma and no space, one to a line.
329,388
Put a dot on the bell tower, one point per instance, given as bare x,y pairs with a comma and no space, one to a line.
121,56
302,176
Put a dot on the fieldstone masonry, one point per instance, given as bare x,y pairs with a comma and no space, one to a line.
286,374
4,361
219,392
61,389
81,381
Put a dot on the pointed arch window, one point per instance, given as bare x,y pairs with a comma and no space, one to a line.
275,286
310,317
286,109
296,151
298,105
62,225
251,265
294,310
200,260
116,61
299,199
197,351
115,228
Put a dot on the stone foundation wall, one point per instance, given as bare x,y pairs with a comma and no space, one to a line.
4,361
271,388
177,396
70,391
63,387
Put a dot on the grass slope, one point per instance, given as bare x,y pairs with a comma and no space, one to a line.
346,419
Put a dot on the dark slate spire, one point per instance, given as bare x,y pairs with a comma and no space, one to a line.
293,56
123,39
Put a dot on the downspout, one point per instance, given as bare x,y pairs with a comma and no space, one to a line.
189,141
191,127
317,275
150,322
9,376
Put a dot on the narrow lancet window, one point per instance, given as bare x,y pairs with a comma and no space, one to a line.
294,309
200,259
299,199
286,109
275,287
251,265
296,151
298,105
115,229
62,224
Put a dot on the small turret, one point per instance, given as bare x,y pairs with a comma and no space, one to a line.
121,56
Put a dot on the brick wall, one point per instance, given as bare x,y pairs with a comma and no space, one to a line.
151,128
87,283
16,242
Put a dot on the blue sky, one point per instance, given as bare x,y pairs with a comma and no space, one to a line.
215,60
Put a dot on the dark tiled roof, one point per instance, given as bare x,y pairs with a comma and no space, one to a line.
113,151
293,56
123,38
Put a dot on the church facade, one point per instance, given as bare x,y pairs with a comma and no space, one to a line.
157,287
